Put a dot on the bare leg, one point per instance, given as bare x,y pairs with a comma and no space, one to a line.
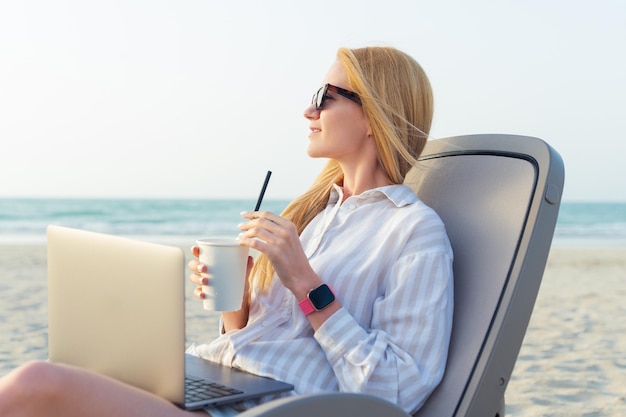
46,389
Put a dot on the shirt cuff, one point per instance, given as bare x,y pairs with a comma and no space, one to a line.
338,334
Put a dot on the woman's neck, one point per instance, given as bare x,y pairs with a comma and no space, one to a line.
357,184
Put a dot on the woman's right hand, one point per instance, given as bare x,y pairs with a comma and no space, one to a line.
200,275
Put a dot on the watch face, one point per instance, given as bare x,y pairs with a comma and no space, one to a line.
321,297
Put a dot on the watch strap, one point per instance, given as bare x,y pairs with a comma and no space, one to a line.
306,306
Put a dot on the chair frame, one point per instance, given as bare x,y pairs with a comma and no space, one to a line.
484,392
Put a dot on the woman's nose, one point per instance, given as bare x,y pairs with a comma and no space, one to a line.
311,112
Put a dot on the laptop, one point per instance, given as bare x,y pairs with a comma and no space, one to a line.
116,306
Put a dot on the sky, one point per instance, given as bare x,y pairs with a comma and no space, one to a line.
199,98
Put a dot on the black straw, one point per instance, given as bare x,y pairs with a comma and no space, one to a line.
258,202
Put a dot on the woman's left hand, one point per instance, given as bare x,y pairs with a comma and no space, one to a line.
278,239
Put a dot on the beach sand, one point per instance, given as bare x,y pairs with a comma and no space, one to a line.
573,359
572,362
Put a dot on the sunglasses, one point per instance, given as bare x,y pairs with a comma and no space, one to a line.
320,97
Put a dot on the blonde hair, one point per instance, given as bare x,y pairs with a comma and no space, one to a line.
397,101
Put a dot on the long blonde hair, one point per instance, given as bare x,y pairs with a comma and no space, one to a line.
398,103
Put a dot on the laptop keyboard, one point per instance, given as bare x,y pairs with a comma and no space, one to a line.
199,390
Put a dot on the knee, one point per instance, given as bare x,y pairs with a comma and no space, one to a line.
30,382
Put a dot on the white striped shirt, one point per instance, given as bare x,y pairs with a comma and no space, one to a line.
388,259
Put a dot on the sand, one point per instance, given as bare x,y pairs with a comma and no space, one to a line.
573,359
572,362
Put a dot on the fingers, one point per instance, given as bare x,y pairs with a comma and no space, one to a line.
197,268
199,294
267,215
265,226
198,279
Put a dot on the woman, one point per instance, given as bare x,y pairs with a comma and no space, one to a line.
353,288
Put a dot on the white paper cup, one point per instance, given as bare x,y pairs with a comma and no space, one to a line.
226,262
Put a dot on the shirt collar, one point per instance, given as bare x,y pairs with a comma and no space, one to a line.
399,194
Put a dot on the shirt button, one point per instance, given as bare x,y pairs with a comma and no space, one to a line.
265,323
351,207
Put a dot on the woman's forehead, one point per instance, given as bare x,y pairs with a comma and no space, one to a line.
336,75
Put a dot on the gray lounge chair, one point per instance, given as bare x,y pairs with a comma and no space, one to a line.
499,197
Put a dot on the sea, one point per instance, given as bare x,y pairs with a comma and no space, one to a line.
181,221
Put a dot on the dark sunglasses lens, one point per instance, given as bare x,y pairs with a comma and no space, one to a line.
319,98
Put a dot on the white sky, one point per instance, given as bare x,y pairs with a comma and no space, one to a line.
199,98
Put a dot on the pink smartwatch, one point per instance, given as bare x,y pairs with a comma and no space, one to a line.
317,299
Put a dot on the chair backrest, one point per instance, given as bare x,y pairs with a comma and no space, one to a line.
499,197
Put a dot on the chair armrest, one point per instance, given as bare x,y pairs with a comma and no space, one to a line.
327,405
